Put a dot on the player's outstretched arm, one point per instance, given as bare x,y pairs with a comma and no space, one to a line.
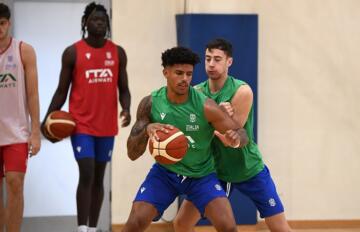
124,92
233,134
59,98
137,141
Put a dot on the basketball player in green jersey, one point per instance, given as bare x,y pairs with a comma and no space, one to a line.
178,104
239,168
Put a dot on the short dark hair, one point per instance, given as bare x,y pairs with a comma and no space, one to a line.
4,11
90,8
179,55
221,44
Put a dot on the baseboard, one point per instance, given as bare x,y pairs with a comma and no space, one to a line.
316,224
294,224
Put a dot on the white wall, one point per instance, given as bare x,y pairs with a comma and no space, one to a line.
308,86
51,179
144,34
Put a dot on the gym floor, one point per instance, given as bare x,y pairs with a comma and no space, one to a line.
168,228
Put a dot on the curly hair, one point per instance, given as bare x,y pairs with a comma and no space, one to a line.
179,55
90,8
221,44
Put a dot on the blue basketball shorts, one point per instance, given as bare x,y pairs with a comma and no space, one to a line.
88,146
162,186
261,190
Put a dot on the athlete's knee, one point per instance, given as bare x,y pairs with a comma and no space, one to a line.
15,184
86,178
181,225
228,228
225,224
280,227
98,183
136,223
278,223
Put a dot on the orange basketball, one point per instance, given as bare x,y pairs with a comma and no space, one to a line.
59,124
171,147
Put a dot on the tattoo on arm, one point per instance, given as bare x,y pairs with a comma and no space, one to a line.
137,141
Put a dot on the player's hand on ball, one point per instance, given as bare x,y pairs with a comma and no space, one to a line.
125,118
227,108
47,135
153,127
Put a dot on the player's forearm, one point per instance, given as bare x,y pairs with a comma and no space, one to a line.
34,111
57,101
125,100
137,141
244,139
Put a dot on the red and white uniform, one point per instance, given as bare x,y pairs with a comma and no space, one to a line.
93,97
14,113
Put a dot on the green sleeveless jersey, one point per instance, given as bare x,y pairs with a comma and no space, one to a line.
234,164
189,117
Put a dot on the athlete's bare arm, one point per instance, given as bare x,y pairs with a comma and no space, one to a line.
124,92
137,141
32,93
225,125
59,98
241,104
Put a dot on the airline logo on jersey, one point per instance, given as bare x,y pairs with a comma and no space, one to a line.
162,115
7,80
101,75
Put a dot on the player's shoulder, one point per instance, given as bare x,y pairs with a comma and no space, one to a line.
201,87
121,51
70,51
237,81
161,92
242,93
241,84
199,99
114,44
146,100
25,47
27,52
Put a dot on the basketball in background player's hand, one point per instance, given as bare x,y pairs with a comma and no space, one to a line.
170,148
59,124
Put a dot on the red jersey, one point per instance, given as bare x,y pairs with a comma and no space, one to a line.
93,97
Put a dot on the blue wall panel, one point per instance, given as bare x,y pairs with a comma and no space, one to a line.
195,31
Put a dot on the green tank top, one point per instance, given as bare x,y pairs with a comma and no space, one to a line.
234,164
189,117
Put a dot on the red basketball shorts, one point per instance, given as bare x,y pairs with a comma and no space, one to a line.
13,158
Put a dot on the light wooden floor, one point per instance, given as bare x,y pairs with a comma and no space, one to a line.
241,229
